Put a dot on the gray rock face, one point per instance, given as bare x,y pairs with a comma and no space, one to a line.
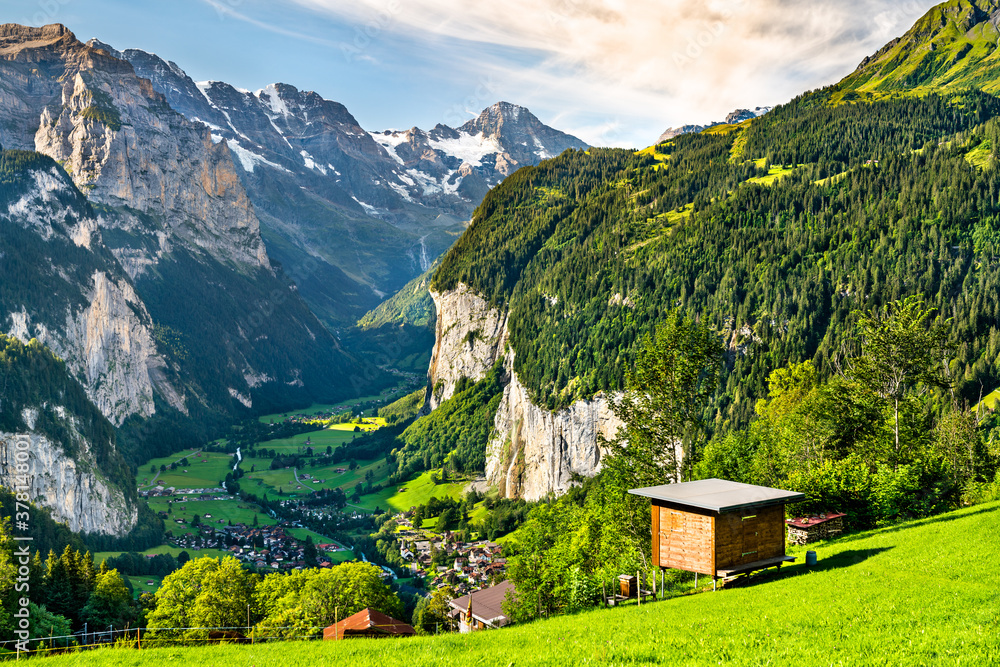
328,189
175,209
533,452
469,339
102,329
71,489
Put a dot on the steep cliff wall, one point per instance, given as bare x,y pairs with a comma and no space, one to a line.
469,338
75,493
533,451
125,147
96,323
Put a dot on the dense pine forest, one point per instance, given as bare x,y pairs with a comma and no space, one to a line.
773,232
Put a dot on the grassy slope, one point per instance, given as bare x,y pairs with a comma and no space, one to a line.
418,492
921,593
964,54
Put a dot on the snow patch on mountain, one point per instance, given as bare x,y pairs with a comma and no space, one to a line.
248,159
470,149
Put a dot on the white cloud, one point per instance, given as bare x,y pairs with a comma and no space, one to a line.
681,61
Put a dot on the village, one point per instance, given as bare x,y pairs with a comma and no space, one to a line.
442,560
437,560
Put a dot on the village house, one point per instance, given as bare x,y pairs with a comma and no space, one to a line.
482,609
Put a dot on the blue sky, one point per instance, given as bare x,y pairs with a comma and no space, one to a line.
613,72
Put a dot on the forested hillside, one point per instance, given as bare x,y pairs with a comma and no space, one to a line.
774,232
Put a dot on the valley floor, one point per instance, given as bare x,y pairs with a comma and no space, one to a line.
919,593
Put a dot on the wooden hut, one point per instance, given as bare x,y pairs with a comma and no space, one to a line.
717,527
368,623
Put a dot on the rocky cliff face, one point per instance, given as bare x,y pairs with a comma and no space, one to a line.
533,452
74,492
315,175
90,315
469,339
164,296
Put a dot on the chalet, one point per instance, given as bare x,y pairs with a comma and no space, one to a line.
368,623
482,609
717,527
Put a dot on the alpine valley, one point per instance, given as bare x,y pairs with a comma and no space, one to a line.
146,220
244,302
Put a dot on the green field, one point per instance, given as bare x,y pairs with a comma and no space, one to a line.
165,549
320,408
418,492
370,424
142,584
221,510
284,478
774,174
918,594
989,401
318,440
204,471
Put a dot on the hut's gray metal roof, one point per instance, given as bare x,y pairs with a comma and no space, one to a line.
719,495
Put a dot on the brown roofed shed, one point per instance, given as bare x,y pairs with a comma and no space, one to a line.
368,623
486,607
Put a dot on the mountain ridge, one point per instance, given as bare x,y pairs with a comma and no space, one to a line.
314,174
952,46
178,242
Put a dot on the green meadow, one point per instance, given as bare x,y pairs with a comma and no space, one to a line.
317,409
225,511
922,593
144,584
417,492
204,470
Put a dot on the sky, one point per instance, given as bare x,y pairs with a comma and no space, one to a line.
612,72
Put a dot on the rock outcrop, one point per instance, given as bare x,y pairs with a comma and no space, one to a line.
70,488
533,452
100,326
469,340
174,212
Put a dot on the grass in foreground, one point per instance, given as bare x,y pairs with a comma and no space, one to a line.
920,593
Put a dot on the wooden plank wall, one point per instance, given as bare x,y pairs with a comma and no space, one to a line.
748,536
685,540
